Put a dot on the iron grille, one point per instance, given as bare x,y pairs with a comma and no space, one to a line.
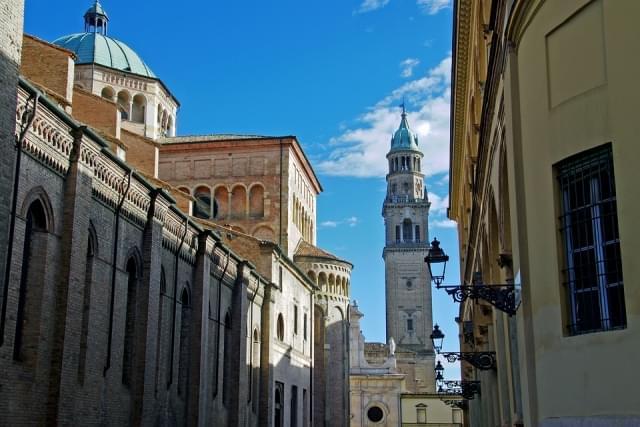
589,225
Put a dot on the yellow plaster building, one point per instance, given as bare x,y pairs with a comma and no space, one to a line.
543,171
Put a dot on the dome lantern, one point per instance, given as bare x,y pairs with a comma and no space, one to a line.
96,19
404,138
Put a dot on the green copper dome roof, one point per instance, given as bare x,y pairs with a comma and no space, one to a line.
96,9
404,138
95,48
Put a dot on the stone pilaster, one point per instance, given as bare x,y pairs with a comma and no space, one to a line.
199,377
147,299
69,293
238,376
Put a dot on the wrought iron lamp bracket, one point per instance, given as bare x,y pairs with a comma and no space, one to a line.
483,360
502,297
468,389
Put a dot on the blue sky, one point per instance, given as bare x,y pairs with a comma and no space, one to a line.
332,72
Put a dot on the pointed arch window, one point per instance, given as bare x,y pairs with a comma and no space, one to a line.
84,332
130,321
27,336
185,330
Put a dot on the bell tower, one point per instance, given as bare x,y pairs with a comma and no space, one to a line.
407,282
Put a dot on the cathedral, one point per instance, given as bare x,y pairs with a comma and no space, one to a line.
151,278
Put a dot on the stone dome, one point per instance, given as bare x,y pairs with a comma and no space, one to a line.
404,138
96,48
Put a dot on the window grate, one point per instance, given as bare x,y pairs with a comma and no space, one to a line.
589,225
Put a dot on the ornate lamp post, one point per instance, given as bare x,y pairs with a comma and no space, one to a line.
501,296
435,257
436,338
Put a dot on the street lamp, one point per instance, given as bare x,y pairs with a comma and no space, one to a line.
436,256
502,296
439,372
436,338
483,360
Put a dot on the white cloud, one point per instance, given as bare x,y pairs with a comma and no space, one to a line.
328,224
407,67
431,7
439,204
360,151
443,223
371,5
351,222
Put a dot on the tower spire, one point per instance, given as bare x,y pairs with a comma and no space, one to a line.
96,19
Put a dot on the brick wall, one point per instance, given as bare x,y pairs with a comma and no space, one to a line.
95,111
141,152
48,66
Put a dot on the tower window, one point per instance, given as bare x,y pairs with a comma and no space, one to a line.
398,234
410,325
406,230
295,319
589,219
417,234
405,187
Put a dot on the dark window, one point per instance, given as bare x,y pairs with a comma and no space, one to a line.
27,336
226,362
280,327
375,414
295,319
202,204
417,234
86,304
589,221
406,230
304,326
409,325
294,406
185,329
130,322
398,234
278,413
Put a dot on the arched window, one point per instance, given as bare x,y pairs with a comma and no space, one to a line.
406,230
416,236
222,201
255,371
238,202
256,201
322,281
138,108
130,322
278,413
202,205
86,304
108,93
161,298
227,360
280,327
185,329
123,104
34,254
